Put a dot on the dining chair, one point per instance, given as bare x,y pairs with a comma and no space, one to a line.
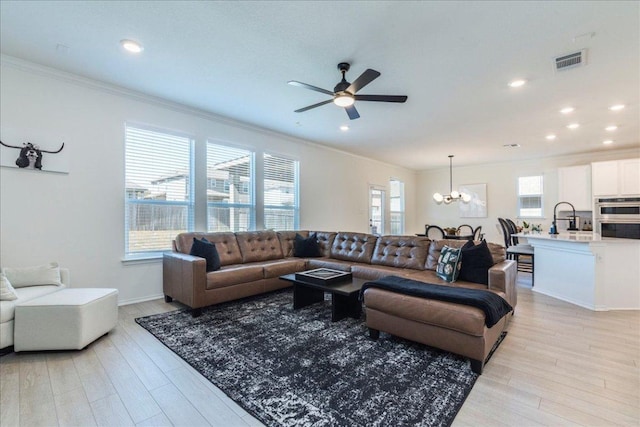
514,230
477,233
522,254
504,227
465,229
434,232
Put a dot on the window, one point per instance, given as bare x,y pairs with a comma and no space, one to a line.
230,203
281,211
396,202
530,190
158,189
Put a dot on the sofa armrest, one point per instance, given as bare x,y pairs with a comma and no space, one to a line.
502,277
65,276
184,278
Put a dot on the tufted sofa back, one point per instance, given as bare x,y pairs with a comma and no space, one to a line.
325,241
497,252
401,252
259,245
288,238
226,244
355,247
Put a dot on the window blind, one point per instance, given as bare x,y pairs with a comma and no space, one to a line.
281,203
158,189
530,192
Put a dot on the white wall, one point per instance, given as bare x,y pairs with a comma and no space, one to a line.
77,219
501,180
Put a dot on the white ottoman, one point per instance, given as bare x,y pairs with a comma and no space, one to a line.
69,319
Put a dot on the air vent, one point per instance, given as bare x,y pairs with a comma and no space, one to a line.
571,60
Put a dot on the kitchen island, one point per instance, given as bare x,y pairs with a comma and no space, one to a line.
587,270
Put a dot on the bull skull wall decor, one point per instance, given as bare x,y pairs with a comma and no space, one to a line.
30,155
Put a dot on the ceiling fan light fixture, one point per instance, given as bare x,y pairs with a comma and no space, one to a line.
344,100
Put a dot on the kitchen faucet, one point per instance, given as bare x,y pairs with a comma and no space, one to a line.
572,224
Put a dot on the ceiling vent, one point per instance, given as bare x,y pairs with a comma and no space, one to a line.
571,60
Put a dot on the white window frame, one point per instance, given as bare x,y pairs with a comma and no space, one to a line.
521,196
402,207
189,203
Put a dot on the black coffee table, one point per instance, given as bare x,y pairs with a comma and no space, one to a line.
345,295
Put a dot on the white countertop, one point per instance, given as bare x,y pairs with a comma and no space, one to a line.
578,236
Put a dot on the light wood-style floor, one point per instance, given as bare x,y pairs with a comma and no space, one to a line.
559,365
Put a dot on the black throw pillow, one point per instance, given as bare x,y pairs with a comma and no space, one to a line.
476,262
207,250
306,248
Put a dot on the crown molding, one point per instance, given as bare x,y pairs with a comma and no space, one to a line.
574,159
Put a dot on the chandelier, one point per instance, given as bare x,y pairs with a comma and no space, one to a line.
453,196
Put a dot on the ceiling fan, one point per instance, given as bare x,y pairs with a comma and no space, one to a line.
344,94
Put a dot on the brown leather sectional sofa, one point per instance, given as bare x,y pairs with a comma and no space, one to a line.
253,261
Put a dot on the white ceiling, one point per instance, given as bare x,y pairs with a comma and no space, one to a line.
452,59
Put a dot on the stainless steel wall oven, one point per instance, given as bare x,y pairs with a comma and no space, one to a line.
618,217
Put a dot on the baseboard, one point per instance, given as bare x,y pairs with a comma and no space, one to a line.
141,299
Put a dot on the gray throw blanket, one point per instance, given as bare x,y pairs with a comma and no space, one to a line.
493,306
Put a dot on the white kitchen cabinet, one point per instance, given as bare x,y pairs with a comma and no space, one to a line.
629,177
574,186
616,178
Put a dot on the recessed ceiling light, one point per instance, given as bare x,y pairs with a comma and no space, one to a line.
344,128
131,46
550,137
617,107
567,110
607,141
573,126
611,128
517,83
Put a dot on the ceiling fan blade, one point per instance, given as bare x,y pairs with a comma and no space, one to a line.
352,112
313,106
317,89
365,78
381,98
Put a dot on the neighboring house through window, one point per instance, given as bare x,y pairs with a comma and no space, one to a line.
158,189
530,196
230,202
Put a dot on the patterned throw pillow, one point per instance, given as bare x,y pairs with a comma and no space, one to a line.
448,266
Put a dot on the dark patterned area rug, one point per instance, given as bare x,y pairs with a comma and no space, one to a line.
297,368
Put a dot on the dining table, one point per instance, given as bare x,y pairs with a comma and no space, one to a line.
452,236
459,236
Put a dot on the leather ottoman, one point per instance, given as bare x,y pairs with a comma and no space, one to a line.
69,319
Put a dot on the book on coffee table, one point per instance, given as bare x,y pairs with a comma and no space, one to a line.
323,276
